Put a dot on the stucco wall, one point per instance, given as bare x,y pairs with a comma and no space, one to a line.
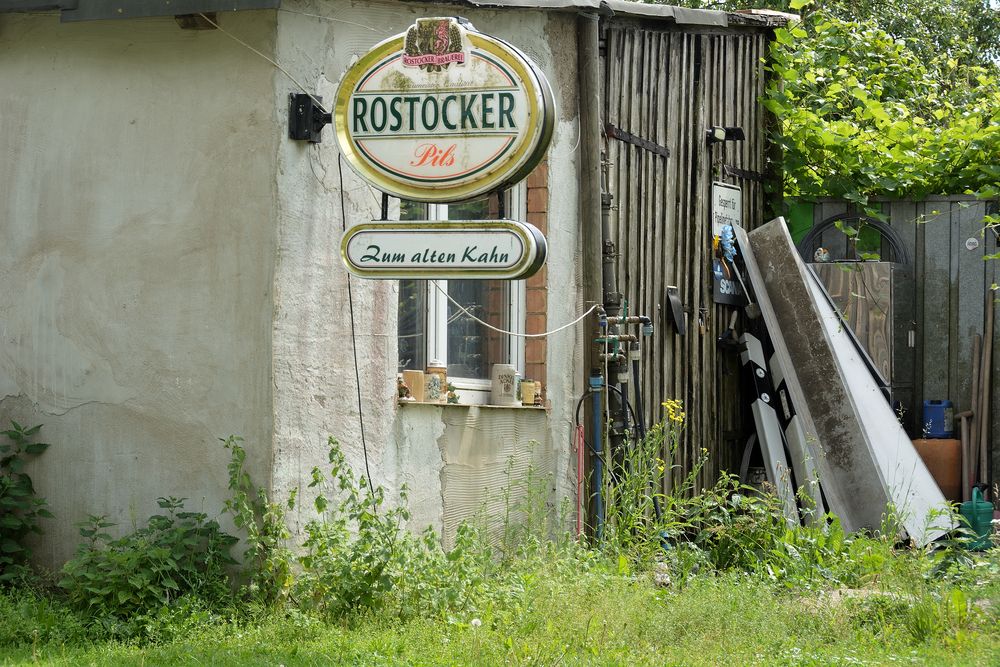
170,270
137,218
314,383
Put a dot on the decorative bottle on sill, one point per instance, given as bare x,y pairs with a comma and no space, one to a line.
436,382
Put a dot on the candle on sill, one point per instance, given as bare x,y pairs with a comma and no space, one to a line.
415,381
528,388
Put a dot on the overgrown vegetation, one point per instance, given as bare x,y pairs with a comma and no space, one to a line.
863,114
719,570
21,509
176,554
897,98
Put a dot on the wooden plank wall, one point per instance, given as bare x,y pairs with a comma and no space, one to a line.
668,86
862,293
944,304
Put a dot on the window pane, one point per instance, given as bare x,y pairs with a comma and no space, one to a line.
477,209
412,315
412,311
473,347
412,210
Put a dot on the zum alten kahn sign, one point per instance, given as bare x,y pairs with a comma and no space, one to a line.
443,113
444,249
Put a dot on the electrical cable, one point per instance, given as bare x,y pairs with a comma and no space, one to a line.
329,18
512,333
265,57
354,343
587,393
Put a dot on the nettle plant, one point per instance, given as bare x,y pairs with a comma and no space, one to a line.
20,507
178,553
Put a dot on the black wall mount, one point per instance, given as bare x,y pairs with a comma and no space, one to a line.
307,117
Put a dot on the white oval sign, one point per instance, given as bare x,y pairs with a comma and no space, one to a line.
443,113
444,249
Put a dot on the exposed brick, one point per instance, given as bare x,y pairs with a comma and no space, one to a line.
537,301
539,280
538,200
540,220
534,351
535,323
539,178
534,371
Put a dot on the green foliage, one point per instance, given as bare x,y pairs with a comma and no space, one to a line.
572,616
28,616
726,527
20,507
358,556
177,554
640,518
885,97
964,30
267,561
351,547
967,31
366,591
861,114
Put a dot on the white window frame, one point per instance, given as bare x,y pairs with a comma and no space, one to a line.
476,391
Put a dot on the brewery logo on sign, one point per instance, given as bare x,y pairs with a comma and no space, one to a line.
434,44
443,113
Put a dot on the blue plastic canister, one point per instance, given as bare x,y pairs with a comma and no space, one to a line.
939,419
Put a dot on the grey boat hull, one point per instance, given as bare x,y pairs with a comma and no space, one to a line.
865,461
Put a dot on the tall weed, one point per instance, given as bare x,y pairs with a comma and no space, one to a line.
21,509
358,555
267,559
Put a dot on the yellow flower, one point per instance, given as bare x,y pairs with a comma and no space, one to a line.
675,410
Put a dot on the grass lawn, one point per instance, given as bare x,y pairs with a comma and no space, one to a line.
717,578
587,617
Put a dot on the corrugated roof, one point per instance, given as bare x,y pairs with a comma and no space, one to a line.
680,15
620,7
77,10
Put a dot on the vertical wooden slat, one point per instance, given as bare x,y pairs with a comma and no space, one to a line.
698,219
970,278
682,359
991,277
902,219
668,348
937,300
662,209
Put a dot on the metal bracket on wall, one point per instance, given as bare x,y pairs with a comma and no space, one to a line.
306,117
629,138
746,174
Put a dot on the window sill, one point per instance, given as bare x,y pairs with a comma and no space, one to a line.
475,405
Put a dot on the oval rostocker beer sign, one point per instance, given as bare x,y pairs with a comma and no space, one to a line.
443,113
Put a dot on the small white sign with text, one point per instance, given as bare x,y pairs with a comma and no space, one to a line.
727,206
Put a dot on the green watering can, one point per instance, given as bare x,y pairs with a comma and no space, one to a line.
979,514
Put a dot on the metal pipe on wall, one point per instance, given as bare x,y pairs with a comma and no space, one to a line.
589,81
